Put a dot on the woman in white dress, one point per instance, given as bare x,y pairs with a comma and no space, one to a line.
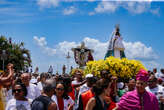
19,102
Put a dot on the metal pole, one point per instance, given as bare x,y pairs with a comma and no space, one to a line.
3,65
68,65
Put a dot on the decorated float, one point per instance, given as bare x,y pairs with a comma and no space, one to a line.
115,61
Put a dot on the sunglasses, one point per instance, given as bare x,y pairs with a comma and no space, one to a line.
60,89
18,90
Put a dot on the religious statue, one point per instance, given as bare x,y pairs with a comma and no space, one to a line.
64,69
116,47
50,70
36,70
31,69
71,70
82,55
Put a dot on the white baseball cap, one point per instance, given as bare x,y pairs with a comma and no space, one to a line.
89,76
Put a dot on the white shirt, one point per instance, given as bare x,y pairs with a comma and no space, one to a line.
161,75
157,75
75,82
83,88
33,80
39,85
157,91
120,85
9,95
33,91
66,102
14,104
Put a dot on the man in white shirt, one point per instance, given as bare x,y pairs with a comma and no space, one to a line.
43,77
90,80
156,89
32,90
88,84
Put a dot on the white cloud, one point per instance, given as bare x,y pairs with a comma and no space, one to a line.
105,6
98,47
69,11
136,50
134,7
137,7
133,50
64,47
40,41
43,44
48,3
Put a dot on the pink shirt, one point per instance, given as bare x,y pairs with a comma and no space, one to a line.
131,101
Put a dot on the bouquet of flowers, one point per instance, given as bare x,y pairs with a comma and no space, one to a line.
122,68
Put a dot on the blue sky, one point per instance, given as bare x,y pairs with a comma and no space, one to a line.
50,28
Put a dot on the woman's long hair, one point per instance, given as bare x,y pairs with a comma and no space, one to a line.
100,85
65,96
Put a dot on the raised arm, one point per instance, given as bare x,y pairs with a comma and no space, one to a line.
80,84
10,75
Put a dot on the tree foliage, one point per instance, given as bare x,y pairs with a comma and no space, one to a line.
16,53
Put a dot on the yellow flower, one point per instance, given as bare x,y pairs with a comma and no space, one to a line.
122,68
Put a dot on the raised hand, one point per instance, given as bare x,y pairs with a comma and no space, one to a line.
10,66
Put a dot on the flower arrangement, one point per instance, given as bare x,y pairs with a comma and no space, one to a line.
75,70
122,68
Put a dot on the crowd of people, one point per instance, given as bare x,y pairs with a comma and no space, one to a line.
27,91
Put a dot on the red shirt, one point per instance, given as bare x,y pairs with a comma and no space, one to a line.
72,93
60,103
85,97
112,105
109,101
